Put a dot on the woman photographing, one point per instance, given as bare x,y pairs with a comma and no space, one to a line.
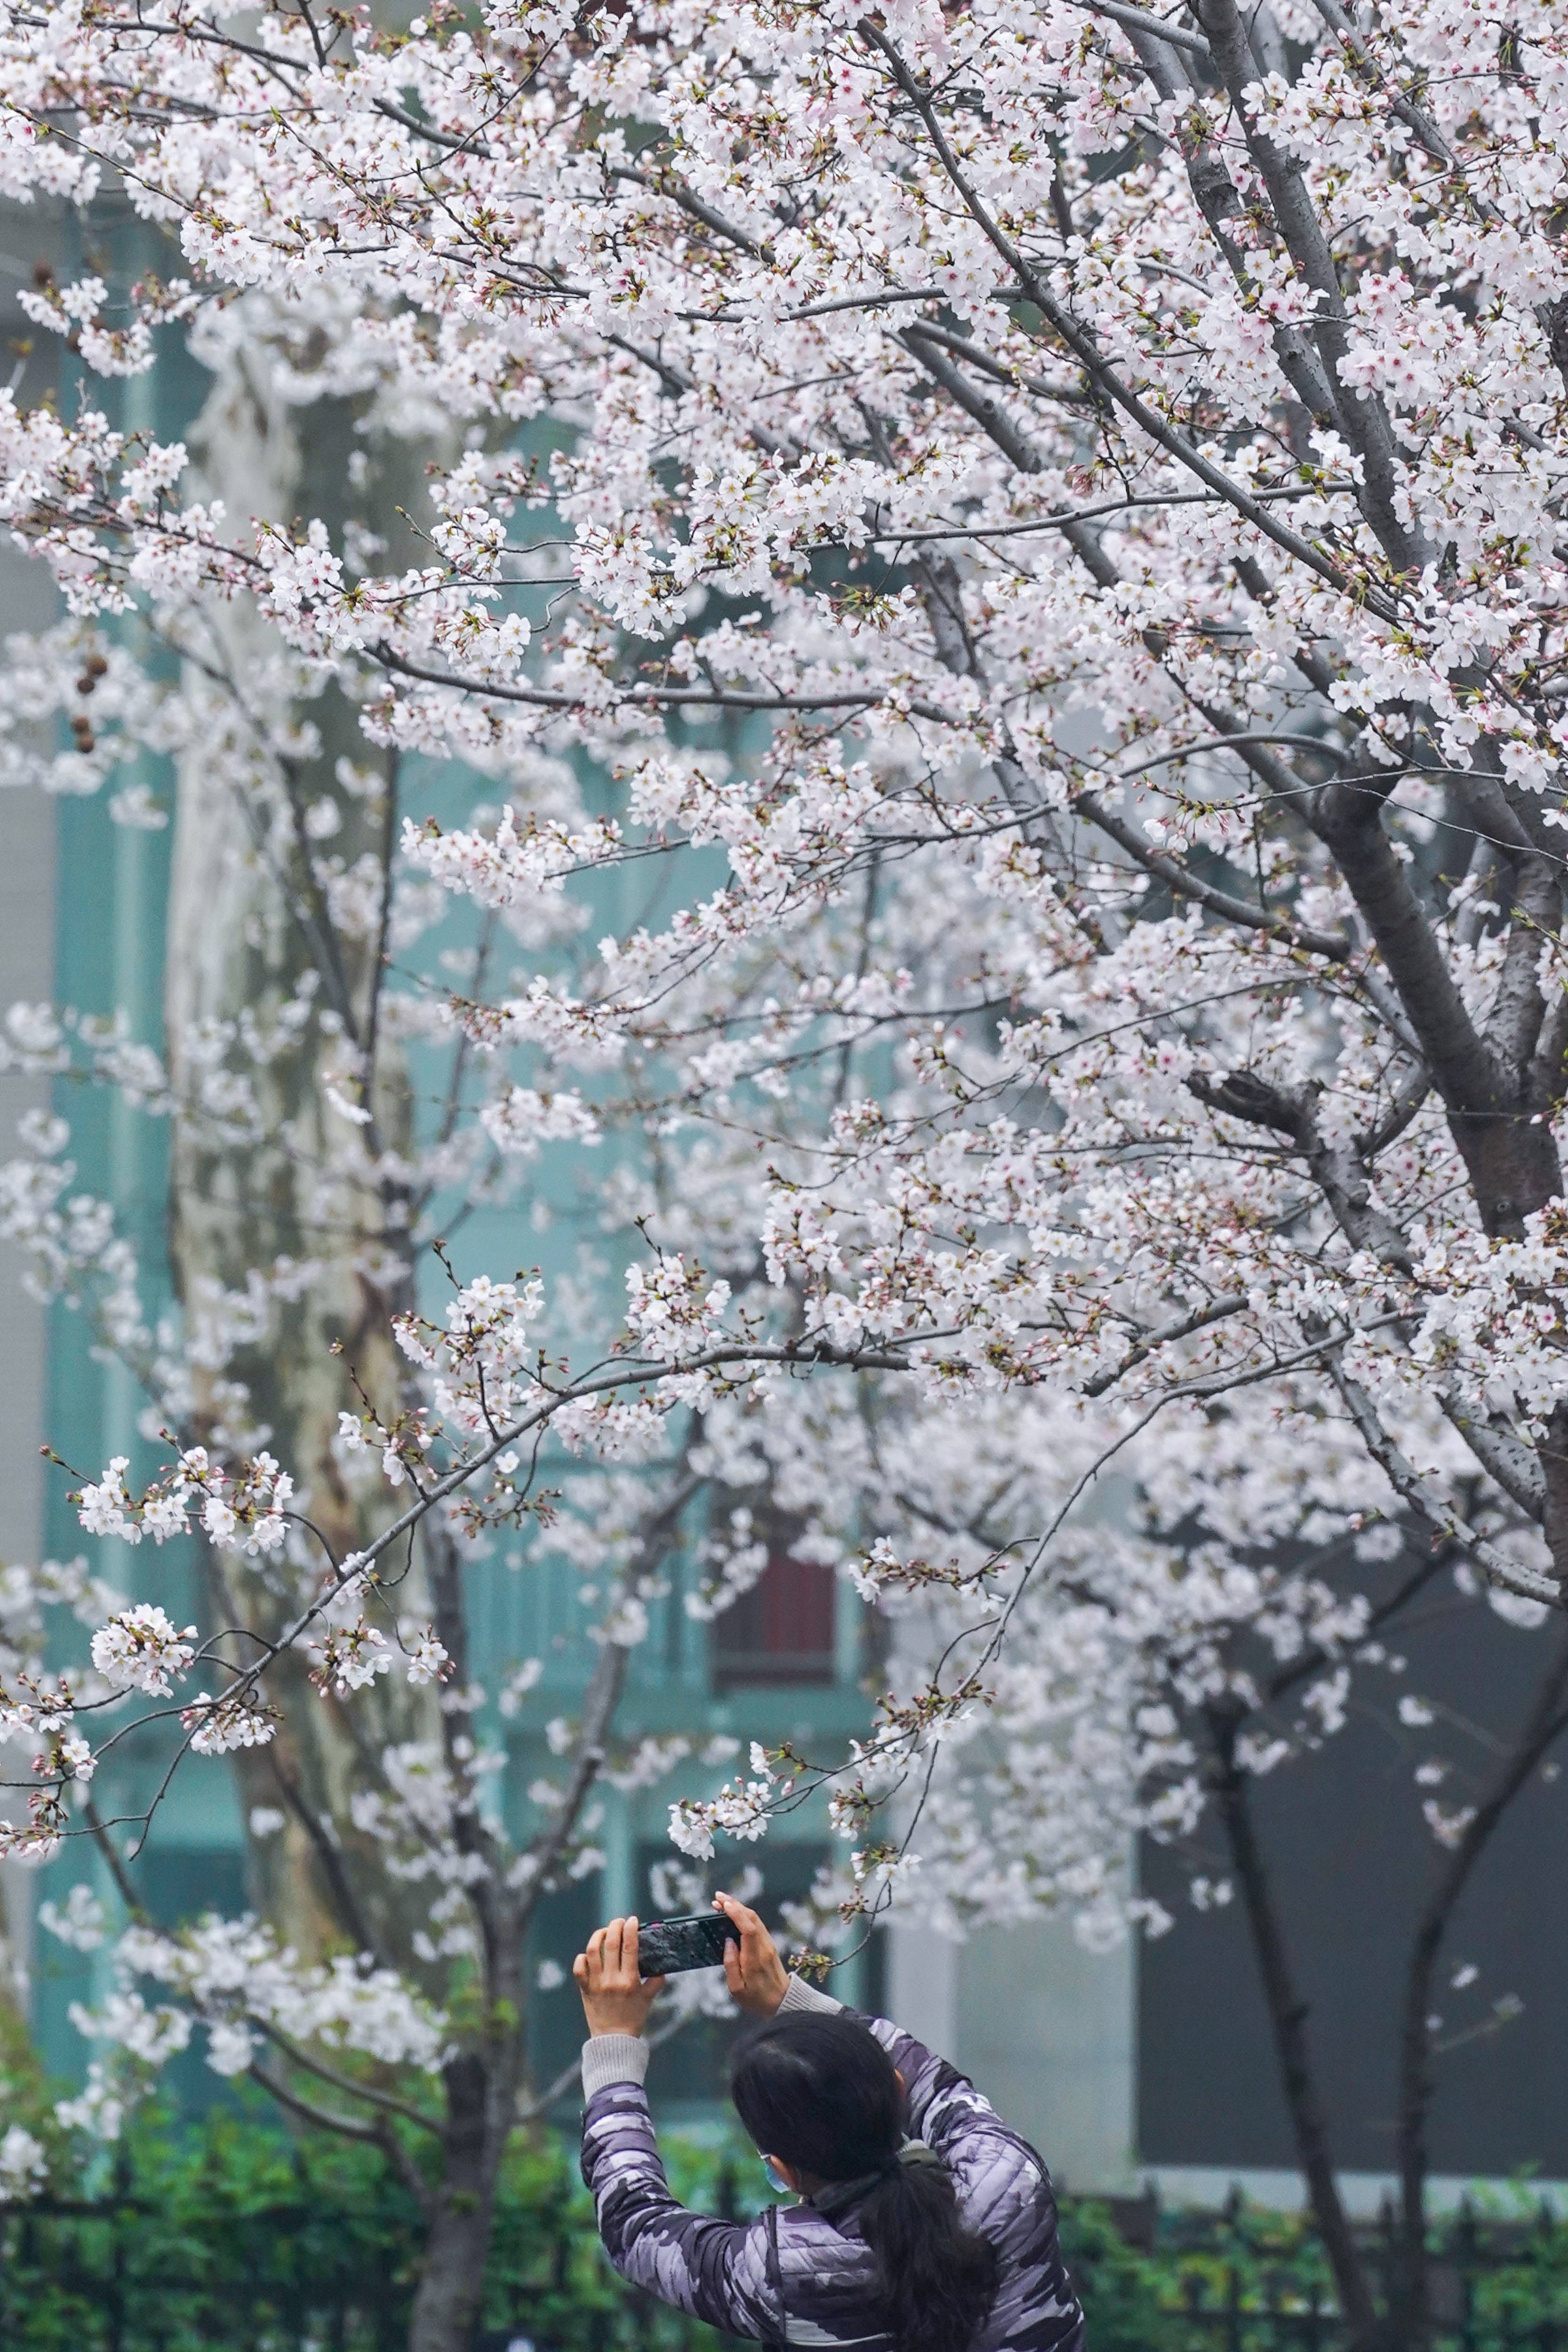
923,2224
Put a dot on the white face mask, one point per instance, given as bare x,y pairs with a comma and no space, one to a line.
775,2177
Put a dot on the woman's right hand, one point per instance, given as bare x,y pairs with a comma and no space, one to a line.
752,1969
616,1998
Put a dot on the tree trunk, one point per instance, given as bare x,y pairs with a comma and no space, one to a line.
16,1940
481,2101
1288,2018
287,1178
1410,2320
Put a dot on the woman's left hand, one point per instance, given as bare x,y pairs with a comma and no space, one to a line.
615,1999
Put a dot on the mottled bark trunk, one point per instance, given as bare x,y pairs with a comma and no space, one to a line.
16,1943
481,2098
247,933
482,2082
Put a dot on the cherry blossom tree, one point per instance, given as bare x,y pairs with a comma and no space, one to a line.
1035,533
381,1991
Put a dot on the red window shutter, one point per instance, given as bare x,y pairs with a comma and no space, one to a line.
781,1630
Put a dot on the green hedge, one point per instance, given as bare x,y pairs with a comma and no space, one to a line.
229,2235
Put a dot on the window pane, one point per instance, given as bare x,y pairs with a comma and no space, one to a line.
781,1630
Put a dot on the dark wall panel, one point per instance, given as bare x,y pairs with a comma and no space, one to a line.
1352,1861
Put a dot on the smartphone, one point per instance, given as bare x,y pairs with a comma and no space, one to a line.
697,1940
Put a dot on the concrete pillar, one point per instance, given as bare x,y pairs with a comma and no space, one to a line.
922,1987
1045,2029
1048,2031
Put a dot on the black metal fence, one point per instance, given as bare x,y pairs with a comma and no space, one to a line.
1242,2280
104,2275
93,2275
101,2276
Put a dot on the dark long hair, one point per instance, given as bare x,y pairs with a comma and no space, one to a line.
822,2093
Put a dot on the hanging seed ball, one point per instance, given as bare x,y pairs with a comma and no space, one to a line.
86,683
82,727
95,664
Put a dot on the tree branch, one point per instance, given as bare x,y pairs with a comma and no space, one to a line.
692,203
329,1856
134,1907
1084,347
464,141
1183,1328
928,332
377,2135
1313,1657
987,412
639,692
1220,201
1337,1169
1512,1165
1502,1457
1153,28
1549,1071
1518,1008
1511,1575
346,2084
600,1702
1334,947
1360,414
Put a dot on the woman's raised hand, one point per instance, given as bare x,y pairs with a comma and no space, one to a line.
615,1999
752,1969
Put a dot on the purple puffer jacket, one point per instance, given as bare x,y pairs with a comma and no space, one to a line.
822,2289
